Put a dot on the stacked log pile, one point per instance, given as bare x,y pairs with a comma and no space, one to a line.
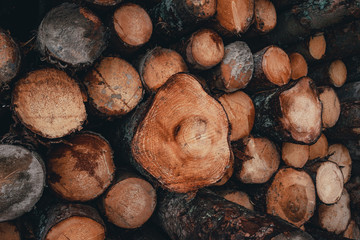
180,119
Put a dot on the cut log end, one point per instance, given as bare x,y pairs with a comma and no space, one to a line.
241,113
331,106
49,103
190,130
291,196
202,9
206,49
81,170
130,202
301,110
264,16
319,149
235,15
159,64
10,58
352,231
329,182
276,66
132,24
114,87
237,197
337,73
9,231
299,66
317,46
295,155
339,154
76,227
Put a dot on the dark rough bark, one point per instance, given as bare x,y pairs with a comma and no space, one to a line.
320,234
281,5
209,216
299,21
71,35
348,125
353,68
353,187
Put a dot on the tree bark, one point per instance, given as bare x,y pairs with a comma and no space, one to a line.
273,110
208,216
353,70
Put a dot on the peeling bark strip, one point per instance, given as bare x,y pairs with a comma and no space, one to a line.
209,216
331,106
301,20
291,113
291,196
331,73
9,231
114,87
72,35
271,69
10,58
22,179
190,130
49,103
81,168
235,70
175,18
130,202
70,221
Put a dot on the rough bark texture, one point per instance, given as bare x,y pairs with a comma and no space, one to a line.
269,115
208,216
22,177
353,68
353,188
71,35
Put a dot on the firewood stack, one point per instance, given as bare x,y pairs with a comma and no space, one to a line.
180,119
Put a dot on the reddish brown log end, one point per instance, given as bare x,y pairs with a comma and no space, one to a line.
237,197
130,202
331,106
291,196
299,66
339,154
114,87
317,46
9,231
183,139
319,149
276,66
235,15
9,58
201,9
257,158
264,16
49,103
205,49
295,155
352,231
241,113
82,168
158,65
132,24
337,73
301,110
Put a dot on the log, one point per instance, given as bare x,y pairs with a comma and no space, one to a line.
9,231
282,115
271,69
202,50
157,65
353,68
81,168
208,216
22,179
236,196
49,103
241,113
114,87
70,221
132,28
190,130
353,188
336,217
256,159
331,73
328,180
295,155
71,35
174,19
340,155
105,3
331,106
299,67
352,231
264,16
233,17
235,70
319,149
10,58
291,196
